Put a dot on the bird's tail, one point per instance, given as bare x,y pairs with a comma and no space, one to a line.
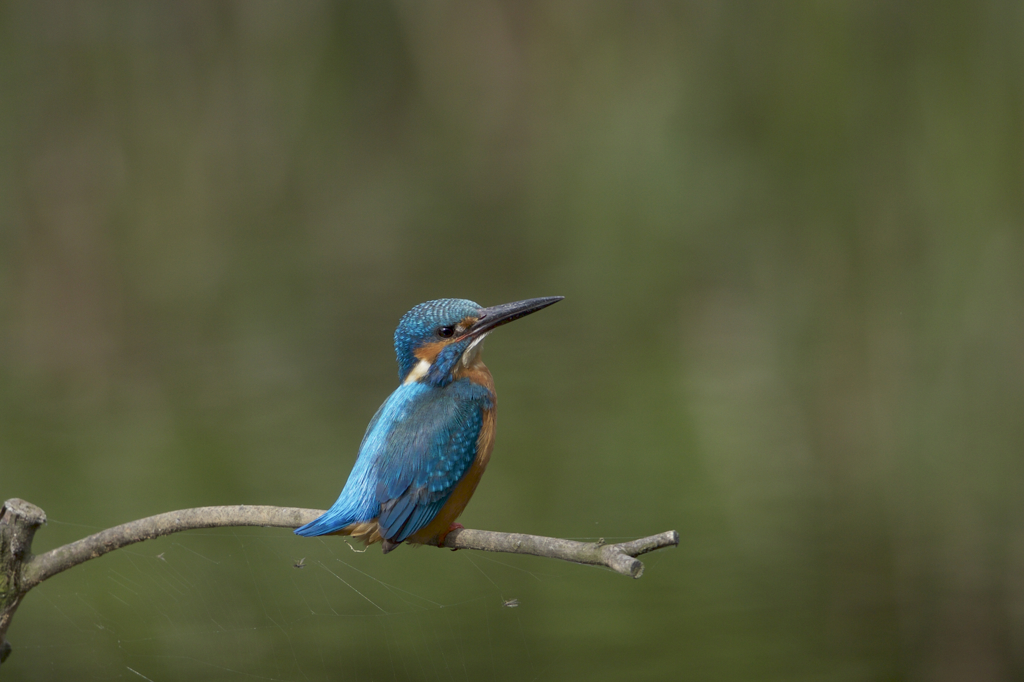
364,531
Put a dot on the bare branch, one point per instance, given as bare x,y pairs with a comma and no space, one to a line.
20,571
619,557
56,560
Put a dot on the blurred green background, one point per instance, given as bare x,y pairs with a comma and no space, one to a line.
790,240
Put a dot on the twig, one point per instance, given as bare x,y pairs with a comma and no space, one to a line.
620,557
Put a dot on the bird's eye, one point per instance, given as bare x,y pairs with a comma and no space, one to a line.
445,332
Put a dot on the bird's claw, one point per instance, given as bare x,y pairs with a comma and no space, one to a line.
454,526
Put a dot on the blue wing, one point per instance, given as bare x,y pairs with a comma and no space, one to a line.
416,449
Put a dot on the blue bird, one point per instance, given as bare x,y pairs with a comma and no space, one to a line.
428,445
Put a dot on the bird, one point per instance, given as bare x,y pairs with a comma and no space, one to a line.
427,446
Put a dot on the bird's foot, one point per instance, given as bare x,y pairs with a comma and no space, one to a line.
454,526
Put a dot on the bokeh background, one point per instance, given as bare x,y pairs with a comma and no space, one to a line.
790,240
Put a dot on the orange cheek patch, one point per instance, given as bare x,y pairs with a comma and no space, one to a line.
429,351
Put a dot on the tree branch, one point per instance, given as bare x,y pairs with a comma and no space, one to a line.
20,571
19,521
56,560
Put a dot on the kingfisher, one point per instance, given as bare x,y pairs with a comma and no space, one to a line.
428,444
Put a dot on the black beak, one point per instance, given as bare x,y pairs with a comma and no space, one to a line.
497,315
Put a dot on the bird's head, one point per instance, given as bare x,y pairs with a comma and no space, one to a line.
437,337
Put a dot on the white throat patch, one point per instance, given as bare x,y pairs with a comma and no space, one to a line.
473,350
417,372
